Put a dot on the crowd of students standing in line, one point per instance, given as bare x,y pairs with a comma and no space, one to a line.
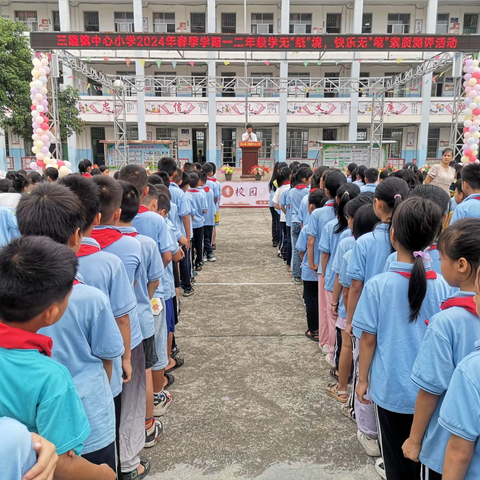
389,265
87,370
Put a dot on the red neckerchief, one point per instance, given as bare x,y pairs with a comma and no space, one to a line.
465,302
206,189
329,204
285,183
430,275
76,282
212,179
433,247
16,338
314,190
301,187
193,190
143,209
87,250
86,174
130,234
106,236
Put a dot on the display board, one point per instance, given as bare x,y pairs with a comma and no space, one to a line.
244,42
142,154
341,155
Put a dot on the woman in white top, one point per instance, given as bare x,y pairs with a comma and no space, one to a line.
442,174
11,190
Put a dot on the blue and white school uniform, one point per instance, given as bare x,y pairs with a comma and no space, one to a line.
435,263
459,412
17,455
153,225
285,202
386,315
152,269
318,219
303,213
359,183
87,334
8,226
179,199
211,209
302,244
368,188
174,217
198,201
450,337
214,184
469,208
297,194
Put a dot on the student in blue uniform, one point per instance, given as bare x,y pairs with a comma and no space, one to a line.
442,199
343,348
470,207
129,250
450,337
283,183
334,231
367,259
88,339
285,207
209,217
151,273
459,416
210,169
371,179
199,209
391,329
300,188
8,226
50,404
350,169
303,211
318,219
310,278
358,176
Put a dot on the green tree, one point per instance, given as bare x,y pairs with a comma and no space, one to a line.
15,77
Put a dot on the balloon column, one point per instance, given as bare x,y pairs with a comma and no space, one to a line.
42,136
471,124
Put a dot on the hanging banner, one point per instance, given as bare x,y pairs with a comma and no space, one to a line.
159,107
216,42
254,108
245,194
317,109
142,154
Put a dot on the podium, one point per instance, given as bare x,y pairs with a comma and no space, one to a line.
249,157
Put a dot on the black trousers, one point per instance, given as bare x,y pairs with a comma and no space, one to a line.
289,246
117,401
273,213
278,228
428,474
338,346
185,276
393,430
105,455
198,245
310,296
285,240
207,239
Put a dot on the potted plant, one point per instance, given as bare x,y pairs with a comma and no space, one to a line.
259,172
227,170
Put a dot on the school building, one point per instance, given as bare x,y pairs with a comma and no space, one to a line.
289,121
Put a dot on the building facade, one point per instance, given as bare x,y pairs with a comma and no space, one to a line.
182,105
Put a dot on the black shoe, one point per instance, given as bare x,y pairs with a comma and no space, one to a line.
274,244
133,475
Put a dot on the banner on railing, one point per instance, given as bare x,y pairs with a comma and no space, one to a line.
159,107
254,108
317,109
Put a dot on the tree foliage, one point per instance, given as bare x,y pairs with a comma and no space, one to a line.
15,77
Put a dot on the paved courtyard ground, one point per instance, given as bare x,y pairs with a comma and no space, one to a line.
250,401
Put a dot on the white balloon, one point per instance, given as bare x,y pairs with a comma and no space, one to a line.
35,114
35,102
468,112
42,72
472,105
38,84
37,63
40,108
69,165
44,79
39,97
35,137
39,120
44,62
40,156
43,91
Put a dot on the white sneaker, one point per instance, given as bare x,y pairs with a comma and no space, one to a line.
325,349
380,468
329,360
370,445
160,404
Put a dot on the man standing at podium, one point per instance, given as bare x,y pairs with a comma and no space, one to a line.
249,136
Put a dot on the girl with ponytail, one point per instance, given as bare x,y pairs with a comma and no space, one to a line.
391,319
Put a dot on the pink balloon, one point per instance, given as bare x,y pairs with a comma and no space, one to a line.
468,89
45,138
472,94
44,126
60,163
473,158
476,111
33,166
44,150
467,77
476,75
468,153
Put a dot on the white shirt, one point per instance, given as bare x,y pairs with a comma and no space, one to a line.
278,196
10,200
253,137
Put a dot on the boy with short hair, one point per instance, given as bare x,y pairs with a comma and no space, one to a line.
371,179
189,167
129,250
33,298
209,217
470,207
199,209
88,319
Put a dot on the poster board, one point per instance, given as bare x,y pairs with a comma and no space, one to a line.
341,154
141,153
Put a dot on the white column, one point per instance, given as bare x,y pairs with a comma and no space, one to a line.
140,71
212,93
426,90
355,73
3,151
282,126
64,13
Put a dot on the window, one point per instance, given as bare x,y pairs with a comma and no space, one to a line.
262,87
197,22
164,22
433,142
297,143
367,23
437,87
264,135
28,145
329,134
363,84
229,23
29,19
128,83
397,91
124,21
95,89
299,87
262,23
470,23
91,22
394,150
56,21
398,23
167,85
361,134
334,22
165,133
442,23
132,132
330,91
300,23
